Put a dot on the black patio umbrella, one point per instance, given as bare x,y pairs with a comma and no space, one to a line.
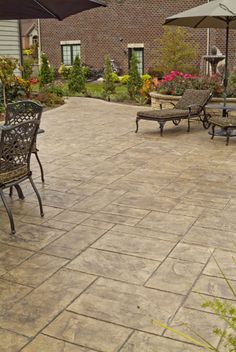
215,14
59,9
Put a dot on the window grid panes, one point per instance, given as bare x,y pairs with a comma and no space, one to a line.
69,53
66,55
75,51
139,52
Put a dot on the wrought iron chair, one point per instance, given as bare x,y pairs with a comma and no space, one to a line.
23,111
191,105
15,151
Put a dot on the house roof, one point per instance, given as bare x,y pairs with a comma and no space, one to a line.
27,26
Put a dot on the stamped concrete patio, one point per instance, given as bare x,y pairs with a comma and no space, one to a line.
131,222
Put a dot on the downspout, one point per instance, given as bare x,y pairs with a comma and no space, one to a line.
39,43
20,45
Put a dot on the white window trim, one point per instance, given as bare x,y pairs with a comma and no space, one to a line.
135,45
70,42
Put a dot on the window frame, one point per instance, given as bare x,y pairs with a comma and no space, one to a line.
70,45
132,50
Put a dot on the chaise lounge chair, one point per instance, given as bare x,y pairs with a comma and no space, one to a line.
191,105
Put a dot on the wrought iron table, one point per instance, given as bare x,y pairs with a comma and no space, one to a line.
226,123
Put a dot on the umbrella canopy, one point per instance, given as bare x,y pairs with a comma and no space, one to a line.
59,9
215,14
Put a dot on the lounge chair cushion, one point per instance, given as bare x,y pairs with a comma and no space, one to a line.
163,114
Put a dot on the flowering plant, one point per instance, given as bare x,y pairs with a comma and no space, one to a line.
27,52
175,83
34,80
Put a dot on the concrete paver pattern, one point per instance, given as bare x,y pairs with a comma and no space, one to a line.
131,224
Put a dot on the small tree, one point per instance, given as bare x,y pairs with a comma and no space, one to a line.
135,82
177,49
46,73
7,67
77,78
108,83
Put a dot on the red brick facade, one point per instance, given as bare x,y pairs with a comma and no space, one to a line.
108,31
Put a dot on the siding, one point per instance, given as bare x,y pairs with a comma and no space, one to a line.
9,39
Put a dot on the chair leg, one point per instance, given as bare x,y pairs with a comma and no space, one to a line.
40,165
188,130
161,124
38,196
137,120
19,192
213,131
227,136
9,213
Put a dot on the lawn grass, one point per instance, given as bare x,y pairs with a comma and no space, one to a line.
94,90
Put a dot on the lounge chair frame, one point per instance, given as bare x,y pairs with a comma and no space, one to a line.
191,105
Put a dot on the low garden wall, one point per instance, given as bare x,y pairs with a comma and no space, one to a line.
166,100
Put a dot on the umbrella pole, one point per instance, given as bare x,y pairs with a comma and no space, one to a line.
226,66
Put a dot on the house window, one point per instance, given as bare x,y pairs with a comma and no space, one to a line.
69,51
139,52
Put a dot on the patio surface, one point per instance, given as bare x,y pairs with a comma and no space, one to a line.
131,221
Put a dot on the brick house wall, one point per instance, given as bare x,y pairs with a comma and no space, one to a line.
109,31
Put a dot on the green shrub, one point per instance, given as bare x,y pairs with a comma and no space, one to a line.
146,77
17,89
7,67
135,81
46,73
49,99
214,83
108,83
124,79
87,71
115,77
27,68
77,78
55,88
156,72
120,97
64,71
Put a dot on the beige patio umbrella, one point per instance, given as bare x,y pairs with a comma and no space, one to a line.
215,14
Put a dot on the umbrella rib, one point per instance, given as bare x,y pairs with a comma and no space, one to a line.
199,22
46,9
169,21
224,7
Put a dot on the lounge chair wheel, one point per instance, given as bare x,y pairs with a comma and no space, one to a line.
176,122
206,123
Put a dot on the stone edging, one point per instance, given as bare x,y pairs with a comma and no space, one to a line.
157,98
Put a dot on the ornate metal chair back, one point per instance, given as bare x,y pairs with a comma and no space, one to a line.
22,111
15,150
